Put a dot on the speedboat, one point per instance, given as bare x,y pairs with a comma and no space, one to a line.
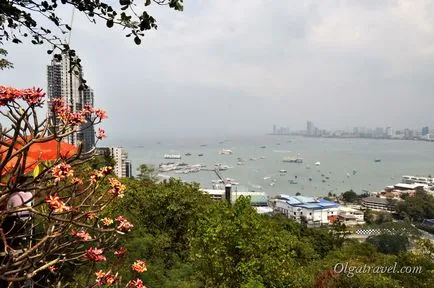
226,152
318,163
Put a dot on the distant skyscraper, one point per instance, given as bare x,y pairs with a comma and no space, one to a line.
310,128
122,167
425,130
64,84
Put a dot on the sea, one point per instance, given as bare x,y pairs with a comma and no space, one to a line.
344,163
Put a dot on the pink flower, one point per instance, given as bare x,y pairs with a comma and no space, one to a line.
106,170
101,114
124,225
33,96
76,180
62,171
94,254
90,215
52,268
136,283
83,235
139,266
106,278
101,134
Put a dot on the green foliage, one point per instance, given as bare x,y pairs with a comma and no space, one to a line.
4,63
389,243
350,196
417,208
146,172
369,216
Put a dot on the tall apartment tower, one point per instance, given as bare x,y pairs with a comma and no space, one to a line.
64,83
123,167
310,128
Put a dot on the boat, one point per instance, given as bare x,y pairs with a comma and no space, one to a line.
377,160
262,157
200,154
263,147
267,177
293,182
282,171
172,156
318,163
187,154
225,152
293,160
239,163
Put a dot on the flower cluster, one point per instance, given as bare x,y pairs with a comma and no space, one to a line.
94,254
83,235
123,224
117,188
56,204
62,171
33,96
64,113
136,283
108,278
139,266
99,174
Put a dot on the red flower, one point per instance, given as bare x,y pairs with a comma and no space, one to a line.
121,251
56,204
136,283
101,134
139,266
94,254
33,96
106,170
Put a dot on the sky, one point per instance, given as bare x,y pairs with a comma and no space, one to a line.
239,66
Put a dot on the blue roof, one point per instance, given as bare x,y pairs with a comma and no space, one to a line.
308,202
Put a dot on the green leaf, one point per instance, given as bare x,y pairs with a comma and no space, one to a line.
36,171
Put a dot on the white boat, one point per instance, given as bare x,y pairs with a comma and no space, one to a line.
267,177
317,163
293,159
282,171
225,152
172,156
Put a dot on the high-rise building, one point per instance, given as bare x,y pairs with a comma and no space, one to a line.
123,167
425,130
64,81
310,128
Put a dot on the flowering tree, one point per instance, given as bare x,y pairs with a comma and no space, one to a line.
61,223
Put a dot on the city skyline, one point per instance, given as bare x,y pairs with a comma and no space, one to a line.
284,62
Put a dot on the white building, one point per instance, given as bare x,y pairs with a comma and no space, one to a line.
122,167
350,216
312,211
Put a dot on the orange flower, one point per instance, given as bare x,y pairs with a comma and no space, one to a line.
56,204
117,188
99,274
94,254
76,180
139,266
90,215
107,221
106,278
136,283
52,268
62,171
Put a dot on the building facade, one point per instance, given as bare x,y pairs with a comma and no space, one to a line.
63,82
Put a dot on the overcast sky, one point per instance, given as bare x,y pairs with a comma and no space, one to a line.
240,66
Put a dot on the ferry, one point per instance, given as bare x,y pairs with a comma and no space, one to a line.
172,156
416,179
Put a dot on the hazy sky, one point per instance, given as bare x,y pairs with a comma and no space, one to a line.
229,66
